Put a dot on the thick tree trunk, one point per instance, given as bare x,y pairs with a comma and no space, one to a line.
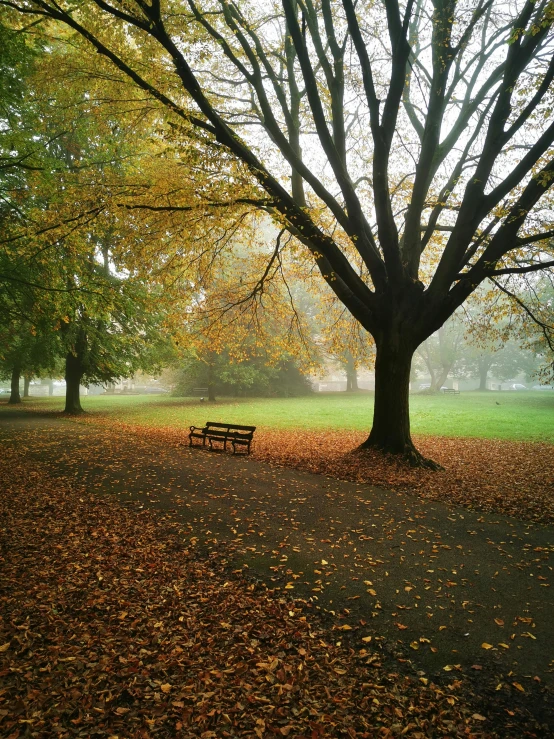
391,415
73,377
15,397
26,384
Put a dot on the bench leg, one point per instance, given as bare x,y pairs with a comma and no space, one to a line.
246,445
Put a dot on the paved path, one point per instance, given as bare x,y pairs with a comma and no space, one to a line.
436,581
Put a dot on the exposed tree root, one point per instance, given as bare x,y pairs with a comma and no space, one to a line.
416,459
407,454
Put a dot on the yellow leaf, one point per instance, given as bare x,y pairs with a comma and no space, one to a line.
499,621
484,645
323,562
344,627
519,687
478,717
366,639
5,646
371,591
165,688
414,645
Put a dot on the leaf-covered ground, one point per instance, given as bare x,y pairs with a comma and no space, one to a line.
511,478
111,627
506,477
453,623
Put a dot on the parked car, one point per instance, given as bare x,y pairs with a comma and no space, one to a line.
542,387
3,391
518,386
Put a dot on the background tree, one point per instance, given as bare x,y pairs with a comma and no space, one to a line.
26,350
251,376
406,146
441,352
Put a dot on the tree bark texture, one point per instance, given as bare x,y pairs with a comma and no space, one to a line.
390,431
391,413
73,377
15,397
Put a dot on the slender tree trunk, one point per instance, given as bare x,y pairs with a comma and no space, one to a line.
15,397
26,384
391,415
50,387
351,374
483,375
484,367
211,383
73,377
440,379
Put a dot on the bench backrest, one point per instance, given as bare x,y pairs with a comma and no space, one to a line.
230,426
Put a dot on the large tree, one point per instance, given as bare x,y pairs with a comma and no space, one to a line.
407,146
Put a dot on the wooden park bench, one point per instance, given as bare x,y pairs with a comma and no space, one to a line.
450,391
239,436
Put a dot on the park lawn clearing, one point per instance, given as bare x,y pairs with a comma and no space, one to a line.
523,416
509,476
112,626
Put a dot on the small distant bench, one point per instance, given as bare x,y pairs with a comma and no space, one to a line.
450,391
239,436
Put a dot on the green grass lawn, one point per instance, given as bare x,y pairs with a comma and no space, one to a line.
524,416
